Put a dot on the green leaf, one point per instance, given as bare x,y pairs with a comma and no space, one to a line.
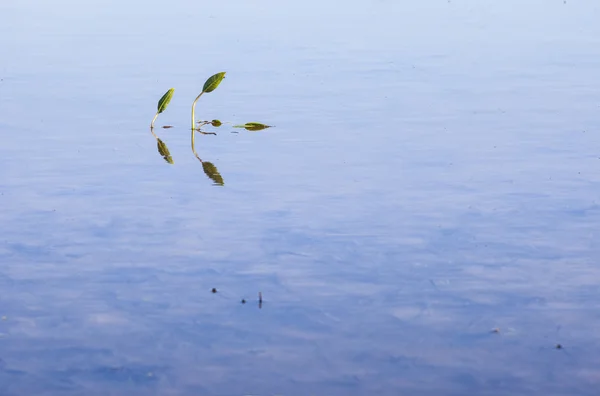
213,82
164,101
164,151
253,126
216,123
211,171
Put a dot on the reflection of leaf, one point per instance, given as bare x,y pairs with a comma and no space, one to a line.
164,101
253,126
212,172
216,123
164,151
213,82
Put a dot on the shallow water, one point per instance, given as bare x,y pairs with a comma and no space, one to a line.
433,174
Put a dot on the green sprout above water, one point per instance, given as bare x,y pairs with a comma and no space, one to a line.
209,168
162,105
210,85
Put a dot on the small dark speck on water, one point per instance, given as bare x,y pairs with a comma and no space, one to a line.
214,290
167,126
559,346
243,301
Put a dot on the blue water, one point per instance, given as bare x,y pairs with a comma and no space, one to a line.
422,219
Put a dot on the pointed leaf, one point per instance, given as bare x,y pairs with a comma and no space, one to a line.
164,151
213,82
253,126
211,171
164,101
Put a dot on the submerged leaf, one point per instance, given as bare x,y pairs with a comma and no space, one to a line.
211,171
164,101
213,82
216,123
253,126
164,151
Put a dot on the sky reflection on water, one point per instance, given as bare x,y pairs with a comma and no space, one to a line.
433,175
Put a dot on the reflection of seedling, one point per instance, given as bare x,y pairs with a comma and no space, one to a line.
162,104
208,167
162,148
211,171
164,151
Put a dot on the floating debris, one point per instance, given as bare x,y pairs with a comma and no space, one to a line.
214,290
253,126
558,346
243,301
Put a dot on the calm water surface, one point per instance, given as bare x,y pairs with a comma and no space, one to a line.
433,174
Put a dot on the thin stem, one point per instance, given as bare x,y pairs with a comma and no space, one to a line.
154,119
194,109
194,122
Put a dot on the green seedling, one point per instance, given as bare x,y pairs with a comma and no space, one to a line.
162,105
210,85
209,168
